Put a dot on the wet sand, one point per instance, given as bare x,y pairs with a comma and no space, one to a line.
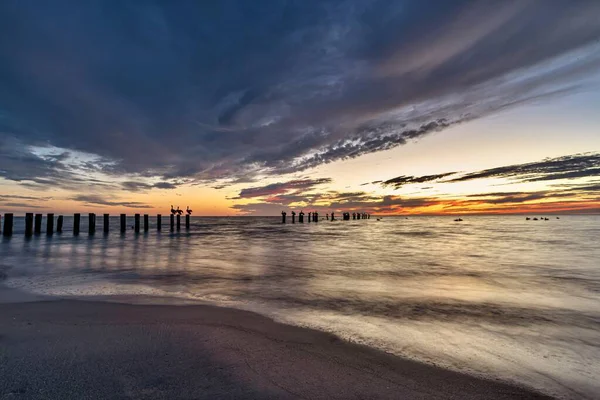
68,349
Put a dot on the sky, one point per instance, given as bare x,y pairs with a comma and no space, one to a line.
251,108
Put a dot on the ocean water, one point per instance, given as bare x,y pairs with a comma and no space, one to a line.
495,296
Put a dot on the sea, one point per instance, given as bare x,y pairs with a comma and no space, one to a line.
496,296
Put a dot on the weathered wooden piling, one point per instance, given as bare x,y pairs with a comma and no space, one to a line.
91,223
106,223
172,222
123,223
187,222
146,223
59,224
7,229
137,223
28,224
50,224
76,223
158,222
178,222
37,227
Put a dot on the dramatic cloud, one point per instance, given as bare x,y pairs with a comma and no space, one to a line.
404,179
560,196
566,167
16,197
282,187
233,89
135,186
102,201
335,201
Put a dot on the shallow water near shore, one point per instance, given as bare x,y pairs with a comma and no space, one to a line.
497,296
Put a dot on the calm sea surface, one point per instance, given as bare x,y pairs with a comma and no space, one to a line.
498,296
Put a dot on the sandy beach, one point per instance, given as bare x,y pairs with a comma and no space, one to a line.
70,349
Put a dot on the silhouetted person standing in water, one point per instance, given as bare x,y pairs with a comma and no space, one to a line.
316,216
327,216
333,216
283,214
309,217
301,217
293,217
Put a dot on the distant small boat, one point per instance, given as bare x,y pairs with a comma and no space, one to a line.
458,220
527,218
535,219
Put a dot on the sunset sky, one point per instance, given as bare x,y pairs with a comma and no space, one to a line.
252,107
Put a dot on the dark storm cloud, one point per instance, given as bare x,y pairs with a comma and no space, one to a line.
41,170
19,163
93,199
223,90
566,167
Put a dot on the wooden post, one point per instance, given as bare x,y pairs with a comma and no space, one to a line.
106,223
28,224
49,224
8,225
76,222
37,228
91,223
137,223
146,224
178,222
59,224
123,223
158,222
187,222
172,222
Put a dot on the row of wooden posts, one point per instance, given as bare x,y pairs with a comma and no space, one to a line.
33,224
314,216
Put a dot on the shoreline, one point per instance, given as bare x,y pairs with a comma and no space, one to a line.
95,349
